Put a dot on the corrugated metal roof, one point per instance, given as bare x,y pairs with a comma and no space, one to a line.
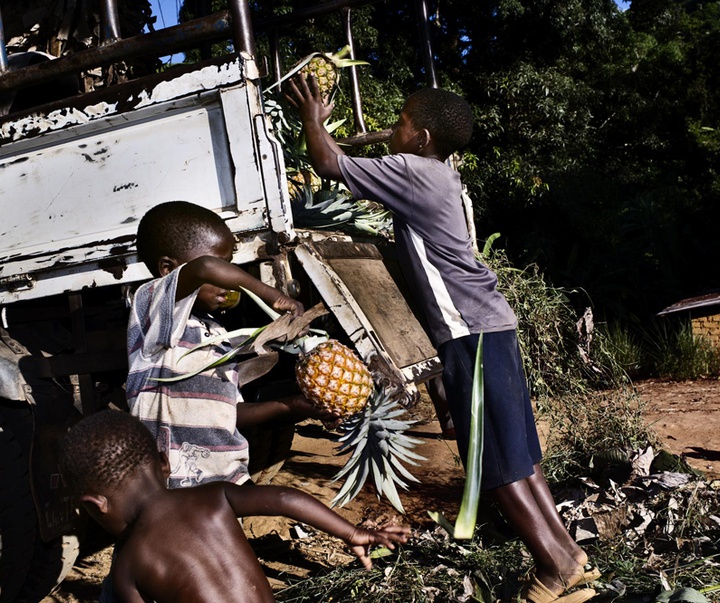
690,303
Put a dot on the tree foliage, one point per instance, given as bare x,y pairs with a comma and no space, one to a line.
596,150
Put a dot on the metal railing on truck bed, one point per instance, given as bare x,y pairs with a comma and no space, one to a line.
235,22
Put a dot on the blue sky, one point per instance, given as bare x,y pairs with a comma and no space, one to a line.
166,12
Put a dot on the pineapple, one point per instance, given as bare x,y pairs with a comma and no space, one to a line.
333,378
324,66
325,73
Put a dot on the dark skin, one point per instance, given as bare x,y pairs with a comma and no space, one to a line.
527,504
208,268
186,545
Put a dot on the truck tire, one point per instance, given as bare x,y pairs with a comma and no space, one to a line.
29,568
18,522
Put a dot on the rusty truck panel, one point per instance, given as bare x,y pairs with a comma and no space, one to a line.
77,178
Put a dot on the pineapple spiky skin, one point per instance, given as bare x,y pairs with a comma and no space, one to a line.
325,67
333,378
324,72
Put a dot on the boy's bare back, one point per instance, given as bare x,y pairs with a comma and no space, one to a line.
184,544
189,548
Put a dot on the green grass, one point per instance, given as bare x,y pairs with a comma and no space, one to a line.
588,428
679,354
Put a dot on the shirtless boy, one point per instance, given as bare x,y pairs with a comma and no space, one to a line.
186,544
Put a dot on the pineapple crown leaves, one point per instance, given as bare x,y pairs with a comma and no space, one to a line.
379,444
324,208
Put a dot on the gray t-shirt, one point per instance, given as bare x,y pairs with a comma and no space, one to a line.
457,293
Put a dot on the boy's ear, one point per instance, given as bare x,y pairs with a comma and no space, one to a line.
166,265
424,139
165,465
96,500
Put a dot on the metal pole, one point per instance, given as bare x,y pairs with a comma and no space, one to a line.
274,39
426,44
159,43
109,22
3,50
242,27
360,127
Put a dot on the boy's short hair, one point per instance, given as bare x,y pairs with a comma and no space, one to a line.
101,450
174,228
447,116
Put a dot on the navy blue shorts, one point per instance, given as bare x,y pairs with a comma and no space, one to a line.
511,446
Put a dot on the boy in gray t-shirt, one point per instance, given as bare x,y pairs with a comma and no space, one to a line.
460,300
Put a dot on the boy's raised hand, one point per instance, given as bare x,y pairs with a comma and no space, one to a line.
309,101
361,539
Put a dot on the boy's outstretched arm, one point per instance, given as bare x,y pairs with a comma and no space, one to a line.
313,110
249,500
221,273
295,408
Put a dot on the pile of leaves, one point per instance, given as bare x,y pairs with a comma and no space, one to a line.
654,536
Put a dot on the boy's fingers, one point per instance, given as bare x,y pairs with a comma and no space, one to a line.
292,98
314,85
304,85
395,533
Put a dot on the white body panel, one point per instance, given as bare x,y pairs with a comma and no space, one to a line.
72,197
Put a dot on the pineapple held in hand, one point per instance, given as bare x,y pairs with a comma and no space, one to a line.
333,378
324,66
324,71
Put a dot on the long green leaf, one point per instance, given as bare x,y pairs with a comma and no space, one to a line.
467,516
263,306
442,521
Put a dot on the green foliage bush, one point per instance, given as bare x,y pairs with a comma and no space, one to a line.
677,353
559,354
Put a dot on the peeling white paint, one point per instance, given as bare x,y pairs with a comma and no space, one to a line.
62,118
207,78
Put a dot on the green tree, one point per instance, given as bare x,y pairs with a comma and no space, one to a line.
596,150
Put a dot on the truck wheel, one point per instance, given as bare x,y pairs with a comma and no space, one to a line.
18,522
29,567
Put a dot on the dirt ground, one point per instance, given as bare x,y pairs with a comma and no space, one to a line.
685,416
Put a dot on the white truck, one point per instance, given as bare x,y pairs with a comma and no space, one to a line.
76,175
